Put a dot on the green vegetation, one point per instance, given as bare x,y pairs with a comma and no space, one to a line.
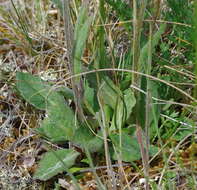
122,95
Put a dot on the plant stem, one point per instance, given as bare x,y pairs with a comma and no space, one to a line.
77,87
195,44
104,125
138,17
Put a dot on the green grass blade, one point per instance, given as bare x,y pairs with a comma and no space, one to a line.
80,37
195,44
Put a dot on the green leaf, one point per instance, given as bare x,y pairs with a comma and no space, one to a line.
123,109
108,114
86,160
110,93
80,20
80,36
51,164
66,92
129,147
153,150
86,139
129,100
33,89
89,99
154,114
60,123
141,99
195,44
144,51
156,108
75,169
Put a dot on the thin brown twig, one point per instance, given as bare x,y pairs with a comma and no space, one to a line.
139,73
146,20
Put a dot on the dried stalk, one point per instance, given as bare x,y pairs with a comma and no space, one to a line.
69,39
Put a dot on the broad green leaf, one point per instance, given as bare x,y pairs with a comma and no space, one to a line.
33,89
51,164
109,93
108,113
66,92
86,139
60,123
123,109
129,149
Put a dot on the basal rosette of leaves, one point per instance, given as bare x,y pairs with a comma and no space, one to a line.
60,123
